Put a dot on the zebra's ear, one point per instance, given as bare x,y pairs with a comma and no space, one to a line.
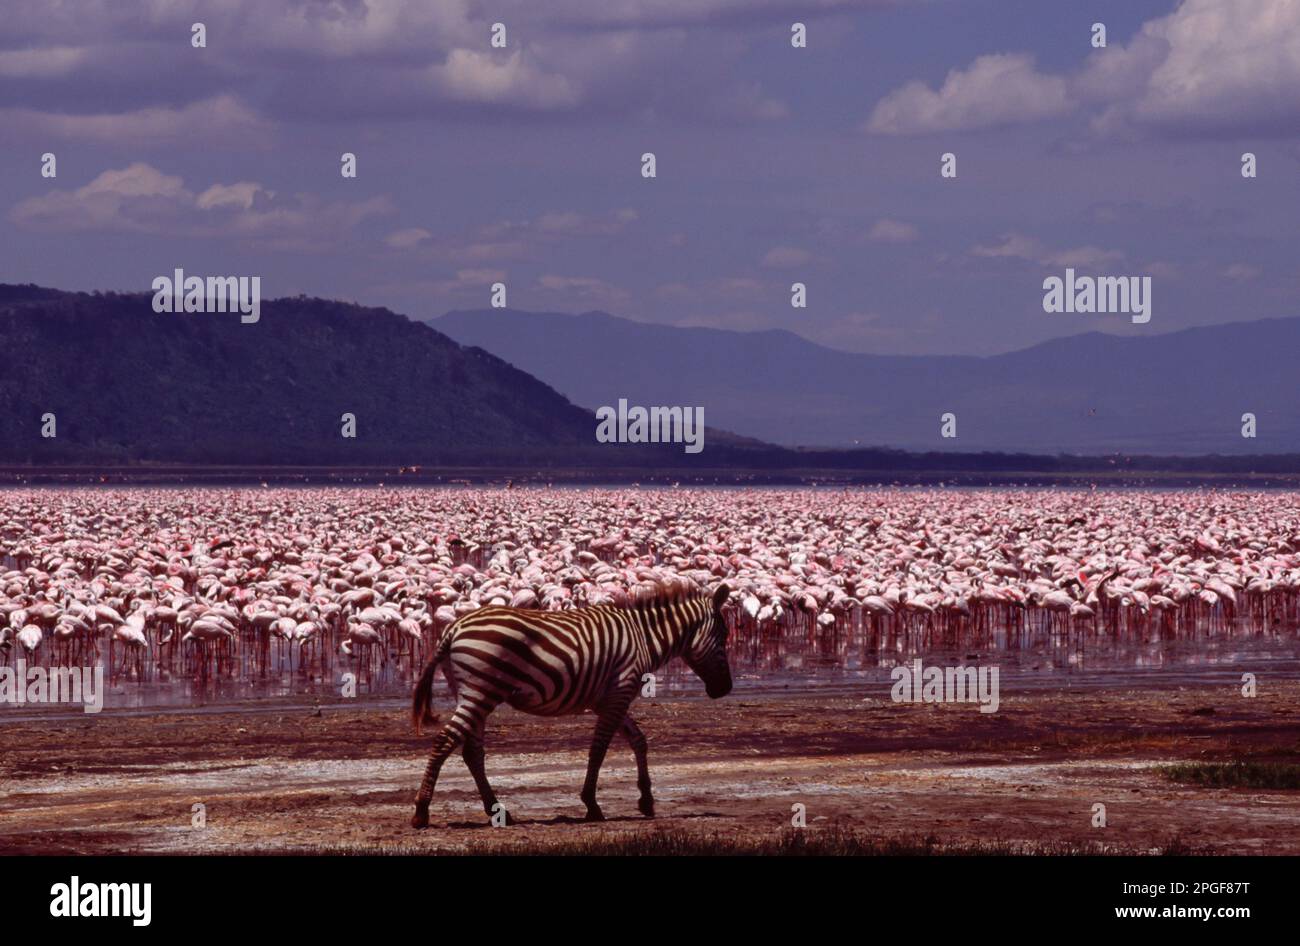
720,597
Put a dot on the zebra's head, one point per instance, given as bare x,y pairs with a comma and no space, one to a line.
706,652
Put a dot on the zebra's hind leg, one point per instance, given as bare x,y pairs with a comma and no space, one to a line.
636,739
473,755
466,720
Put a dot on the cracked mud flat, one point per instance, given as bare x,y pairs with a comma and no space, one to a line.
285,777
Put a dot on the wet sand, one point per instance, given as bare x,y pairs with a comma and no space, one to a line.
291,777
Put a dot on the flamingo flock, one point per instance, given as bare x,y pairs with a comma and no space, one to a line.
214,581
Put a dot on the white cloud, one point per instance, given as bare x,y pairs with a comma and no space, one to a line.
516,80
618,14
466,286
404,58
221,120
1242,272
893,231
471,280
999,89
231,195
139,198
1161,269
43,63
511,239
1215,64
327,28
1210,65
407,238
675,290
588,288
572,223
786,257
749,101
732,287
1018,246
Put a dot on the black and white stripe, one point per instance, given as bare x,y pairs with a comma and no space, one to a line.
551,663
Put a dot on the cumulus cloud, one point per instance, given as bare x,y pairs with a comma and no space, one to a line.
323,28
732,287
466,286
893,231
403,58
786,257
1215,65
675,291
510,239
1019,247
621,14
748,101
141,199
1001,89
1210,65
517,80
41,63
1242,272
222,120
588,289
239,195
408,237
136,198
571,223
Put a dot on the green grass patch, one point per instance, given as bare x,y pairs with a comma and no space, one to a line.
1279,775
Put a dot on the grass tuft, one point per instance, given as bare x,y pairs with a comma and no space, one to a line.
1238,774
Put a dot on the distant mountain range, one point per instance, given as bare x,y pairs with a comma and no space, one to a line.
1180,393
128,385
131,388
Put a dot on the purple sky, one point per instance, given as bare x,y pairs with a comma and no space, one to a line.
775,164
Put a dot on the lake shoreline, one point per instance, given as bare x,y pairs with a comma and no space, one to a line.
342,781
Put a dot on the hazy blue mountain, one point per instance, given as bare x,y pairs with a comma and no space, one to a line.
1179,393
130,386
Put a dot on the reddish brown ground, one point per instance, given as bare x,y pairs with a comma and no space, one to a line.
290,779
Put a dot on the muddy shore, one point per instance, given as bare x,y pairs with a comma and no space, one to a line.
295,777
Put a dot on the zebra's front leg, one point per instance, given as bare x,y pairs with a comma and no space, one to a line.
610,716
636,739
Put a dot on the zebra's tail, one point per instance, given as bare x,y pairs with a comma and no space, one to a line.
422,703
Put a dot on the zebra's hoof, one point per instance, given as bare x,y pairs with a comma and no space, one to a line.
594,814
647,807
420,819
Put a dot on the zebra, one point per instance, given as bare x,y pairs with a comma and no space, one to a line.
553,663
